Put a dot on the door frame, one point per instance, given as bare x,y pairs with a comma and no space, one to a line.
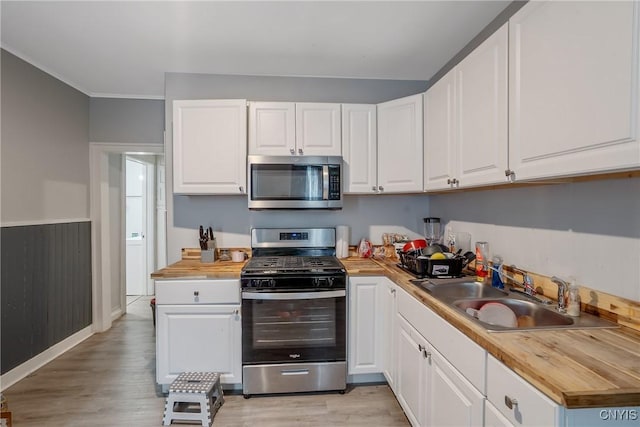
100,240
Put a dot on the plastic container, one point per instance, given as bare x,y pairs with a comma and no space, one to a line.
573,301
496,277
432,231
482,261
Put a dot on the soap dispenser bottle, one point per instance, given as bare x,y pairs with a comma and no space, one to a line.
573,303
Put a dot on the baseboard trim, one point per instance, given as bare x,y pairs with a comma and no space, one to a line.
115,314
36,362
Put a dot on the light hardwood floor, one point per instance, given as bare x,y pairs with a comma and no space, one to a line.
109,380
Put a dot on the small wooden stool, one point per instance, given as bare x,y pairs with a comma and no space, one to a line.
202,388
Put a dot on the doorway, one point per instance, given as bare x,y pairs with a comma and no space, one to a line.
109,229
139,224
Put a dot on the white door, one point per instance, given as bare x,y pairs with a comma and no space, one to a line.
359,148
439,142
210,146
400,145
573,88
318,129
411,379
481,113
136,227
451,399
272,128
365,325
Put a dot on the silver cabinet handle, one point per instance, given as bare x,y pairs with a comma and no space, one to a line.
421,347
241,188
196,293
449,181
426,354
454,181
373,188
299,150
380,187
510,402
508,172
292,151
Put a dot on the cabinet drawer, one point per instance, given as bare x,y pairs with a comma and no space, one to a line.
198,291
532,408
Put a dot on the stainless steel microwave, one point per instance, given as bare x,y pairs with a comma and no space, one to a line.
295,182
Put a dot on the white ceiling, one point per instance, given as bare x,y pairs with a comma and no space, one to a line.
123,49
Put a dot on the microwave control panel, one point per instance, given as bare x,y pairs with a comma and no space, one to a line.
334,183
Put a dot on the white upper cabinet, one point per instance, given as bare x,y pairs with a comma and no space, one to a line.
318,129
439,142
466,120
481,113
573,94
400,145
272,128
210,146
289,128
359,148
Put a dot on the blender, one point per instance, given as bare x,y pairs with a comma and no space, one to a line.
432,230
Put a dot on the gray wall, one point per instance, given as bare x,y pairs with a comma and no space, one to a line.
45,150
589,230
135,121
368,216
46,268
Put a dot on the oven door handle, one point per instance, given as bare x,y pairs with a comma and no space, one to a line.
293,295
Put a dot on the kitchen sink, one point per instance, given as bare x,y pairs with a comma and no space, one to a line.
455,291
530,315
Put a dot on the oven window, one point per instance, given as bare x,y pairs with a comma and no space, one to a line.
286,330
293,324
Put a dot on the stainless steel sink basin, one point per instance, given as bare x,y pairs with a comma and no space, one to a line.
532,316
454,291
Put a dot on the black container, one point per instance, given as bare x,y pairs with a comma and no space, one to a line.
421,266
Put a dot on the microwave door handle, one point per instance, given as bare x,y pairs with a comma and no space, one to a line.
325,182
293,295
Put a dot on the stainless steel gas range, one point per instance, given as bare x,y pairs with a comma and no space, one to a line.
293,313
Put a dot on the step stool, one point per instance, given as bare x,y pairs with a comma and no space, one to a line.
194,387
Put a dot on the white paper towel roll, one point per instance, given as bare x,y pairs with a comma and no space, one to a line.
342,241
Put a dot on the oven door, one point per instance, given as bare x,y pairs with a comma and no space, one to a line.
302,326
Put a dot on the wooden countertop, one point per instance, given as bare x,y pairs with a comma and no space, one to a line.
575,368
192,268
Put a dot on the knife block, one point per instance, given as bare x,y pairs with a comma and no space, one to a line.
208,255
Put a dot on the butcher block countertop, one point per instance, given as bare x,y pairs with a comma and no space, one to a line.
575,368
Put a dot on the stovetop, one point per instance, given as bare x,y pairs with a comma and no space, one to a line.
286,264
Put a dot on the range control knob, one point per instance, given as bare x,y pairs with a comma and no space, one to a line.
323,282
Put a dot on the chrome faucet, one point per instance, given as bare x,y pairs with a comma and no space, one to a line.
527,281
562,291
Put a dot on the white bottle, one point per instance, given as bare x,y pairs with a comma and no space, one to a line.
573,301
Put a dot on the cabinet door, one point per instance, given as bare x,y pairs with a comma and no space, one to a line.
573,88
481,113
389,332
359,148
439,143
318,129
451,399
493,417
365,323
412,372
272,128
400,145
210,146
204,338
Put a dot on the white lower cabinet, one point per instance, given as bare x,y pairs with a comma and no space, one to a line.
366,343
389,331
451,399
411,380
519,402
198,328
493,417
431,391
